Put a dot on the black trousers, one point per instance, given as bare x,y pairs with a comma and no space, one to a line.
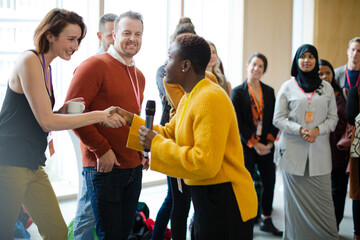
266,168
356,216
217,214
180,209
339,183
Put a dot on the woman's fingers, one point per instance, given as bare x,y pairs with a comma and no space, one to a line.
146,135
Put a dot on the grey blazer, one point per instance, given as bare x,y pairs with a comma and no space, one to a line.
340,76
292,151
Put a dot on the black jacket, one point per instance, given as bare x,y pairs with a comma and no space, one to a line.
241,101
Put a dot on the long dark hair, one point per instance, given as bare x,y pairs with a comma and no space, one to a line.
334,84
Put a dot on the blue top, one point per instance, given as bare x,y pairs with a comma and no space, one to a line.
353,75
160,74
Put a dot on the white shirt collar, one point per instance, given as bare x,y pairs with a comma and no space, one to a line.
117,56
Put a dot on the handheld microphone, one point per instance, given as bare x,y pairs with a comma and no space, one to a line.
150,112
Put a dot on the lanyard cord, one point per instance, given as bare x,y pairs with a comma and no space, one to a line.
348,78
184,109
258,105
45,72
309,98
137,88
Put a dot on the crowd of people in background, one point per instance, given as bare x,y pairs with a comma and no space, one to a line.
211,140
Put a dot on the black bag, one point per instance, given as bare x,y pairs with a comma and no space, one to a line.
139,231
143,207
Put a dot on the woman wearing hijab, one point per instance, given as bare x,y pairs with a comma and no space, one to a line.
306,112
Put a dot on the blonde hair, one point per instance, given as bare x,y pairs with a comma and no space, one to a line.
355,39
217,71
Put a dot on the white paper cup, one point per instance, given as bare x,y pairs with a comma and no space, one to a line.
75,107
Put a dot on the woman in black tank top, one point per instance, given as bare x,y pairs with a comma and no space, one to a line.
25,120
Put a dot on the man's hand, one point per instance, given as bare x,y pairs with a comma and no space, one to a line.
112,119
107,161
128,116
144,161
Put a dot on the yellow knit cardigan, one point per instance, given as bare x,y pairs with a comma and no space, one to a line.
207,149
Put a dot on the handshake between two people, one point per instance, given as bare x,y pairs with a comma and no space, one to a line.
146,135
119,117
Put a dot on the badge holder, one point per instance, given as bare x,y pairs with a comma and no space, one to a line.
259,128
309,116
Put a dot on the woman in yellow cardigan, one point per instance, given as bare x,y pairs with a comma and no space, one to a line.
202,140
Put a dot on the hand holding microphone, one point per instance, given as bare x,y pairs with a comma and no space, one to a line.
146,133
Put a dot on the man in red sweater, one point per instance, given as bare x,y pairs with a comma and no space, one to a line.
113,172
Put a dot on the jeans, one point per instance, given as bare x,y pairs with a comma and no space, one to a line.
84,221
114,197
163,216
20,231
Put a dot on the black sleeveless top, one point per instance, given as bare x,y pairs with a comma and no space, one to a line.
22,140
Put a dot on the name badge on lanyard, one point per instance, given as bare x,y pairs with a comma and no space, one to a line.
259,128
259,109
309,113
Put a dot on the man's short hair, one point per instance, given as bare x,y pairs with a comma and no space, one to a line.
109,17
355,39
129,14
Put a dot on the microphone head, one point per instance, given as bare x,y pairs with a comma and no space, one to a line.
150,107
